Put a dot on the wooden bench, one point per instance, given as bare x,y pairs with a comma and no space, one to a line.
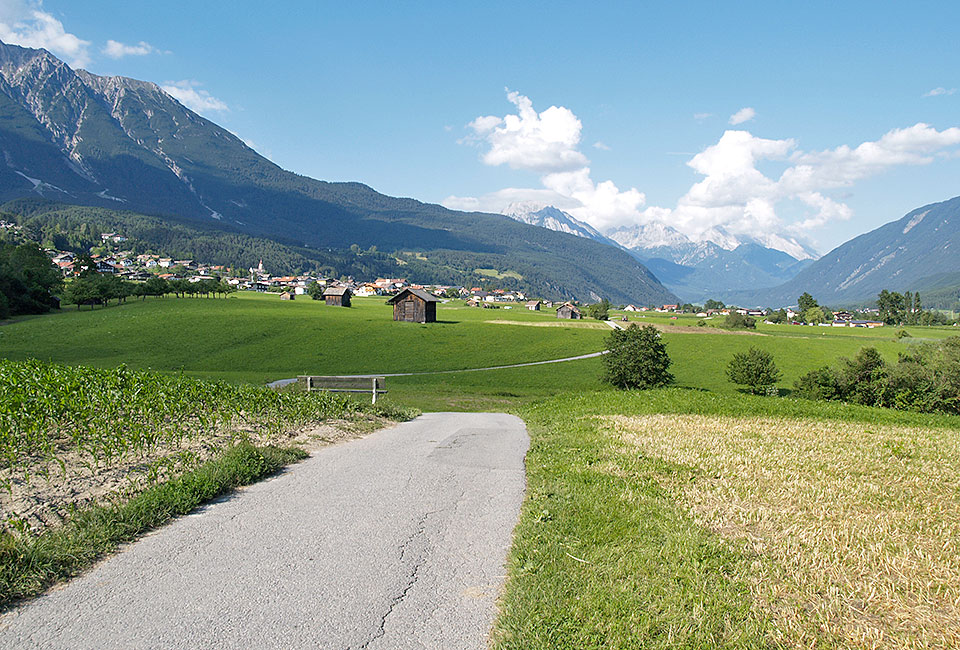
373,385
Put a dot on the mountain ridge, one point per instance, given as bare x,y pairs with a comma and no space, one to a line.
110,142
897,256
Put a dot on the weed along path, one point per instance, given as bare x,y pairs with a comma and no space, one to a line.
396,540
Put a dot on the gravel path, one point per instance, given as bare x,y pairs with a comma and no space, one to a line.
396,540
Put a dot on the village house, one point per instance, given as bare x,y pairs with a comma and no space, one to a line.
568,310
337,296
414,306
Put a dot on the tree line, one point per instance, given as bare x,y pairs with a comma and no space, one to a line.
93,288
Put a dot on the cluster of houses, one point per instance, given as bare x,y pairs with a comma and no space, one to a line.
410,301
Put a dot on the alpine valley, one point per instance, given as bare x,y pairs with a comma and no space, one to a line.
131,154
84,154
717,266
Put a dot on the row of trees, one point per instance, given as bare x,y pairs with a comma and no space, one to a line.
92,288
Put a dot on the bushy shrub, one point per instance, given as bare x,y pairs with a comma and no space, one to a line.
754,369
821,383
735,321
925,380
637,359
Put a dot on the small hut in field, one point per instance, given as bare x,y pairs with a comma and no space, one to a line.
534,305
567,310
414,306
337,296
286,295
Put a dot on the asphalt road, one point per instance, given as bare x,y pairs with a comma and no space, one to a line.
396,540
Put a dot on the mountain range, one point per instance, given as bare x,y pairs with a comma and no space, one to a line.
81,139
696,271
916,252
135,155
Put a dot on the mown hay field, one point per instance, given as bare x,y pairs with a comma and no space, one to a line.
681,518
855,527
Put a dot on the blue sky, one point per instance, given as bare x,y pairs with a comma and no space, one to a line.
385,93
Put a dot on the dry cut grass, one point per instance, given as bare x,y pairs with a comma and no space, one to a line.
856,527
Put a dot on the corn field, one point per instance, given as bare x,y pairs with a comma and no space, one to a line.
48,410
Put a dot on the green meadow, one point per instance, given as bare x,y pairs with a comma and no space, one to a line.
258,338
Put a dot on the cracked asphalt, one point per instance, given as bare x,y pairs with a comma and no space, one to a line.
396,540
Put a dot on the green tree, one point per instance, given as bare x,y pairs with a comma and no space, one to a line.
81,291
28,279
754,369
814,315
637,359
599,310
713,304
892,307
805,302
315,291
452,292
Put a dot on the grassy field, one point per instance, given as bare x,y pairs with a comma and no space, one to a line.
693,516
683,519
257,338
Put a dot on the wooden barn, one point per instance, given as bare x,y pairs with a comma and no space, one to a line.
534,305
567,310
414,306
286,295
337,296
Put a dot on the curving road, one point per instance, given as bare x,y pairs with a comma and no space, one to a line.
396,540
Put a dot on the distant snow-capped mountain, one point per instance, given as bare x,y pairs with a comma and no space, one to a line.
714,265
547,216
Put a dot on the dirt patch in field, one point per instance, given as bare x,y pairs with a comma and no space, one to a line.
43,494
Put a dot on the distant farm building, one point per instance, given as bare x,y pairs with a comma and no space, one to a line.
337,296
567,310
414,306
286,295
534,305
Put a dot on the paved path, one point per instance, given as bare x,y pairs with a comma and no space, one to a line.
283,382
396,540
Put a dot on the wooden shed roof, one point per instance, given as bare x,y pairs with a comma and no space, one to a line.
423,295
336,291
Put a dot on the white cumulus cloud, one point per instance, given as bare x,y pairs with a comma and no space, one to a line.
736,196
188,93
542,142
936,92
745,114
26,24
548,143
117,50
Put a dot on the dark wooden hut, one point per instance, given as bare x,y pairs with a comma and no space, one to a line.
414,306
567,310
337,296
